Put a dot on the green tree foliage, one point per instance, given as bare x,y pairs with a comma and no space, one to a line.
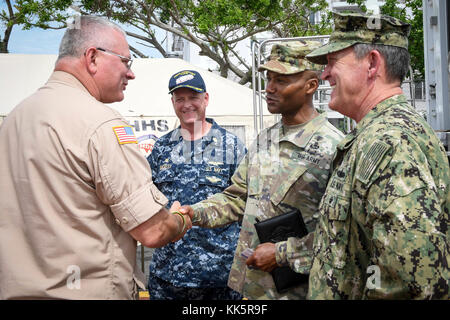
8,19
216,26
42,14
410,12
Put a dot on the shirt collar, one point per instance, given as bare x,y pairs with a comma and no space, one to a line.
301,138
69,79
208,138
373,114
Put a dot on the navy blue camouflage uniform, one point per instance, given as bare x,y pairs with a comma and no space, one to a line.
188,172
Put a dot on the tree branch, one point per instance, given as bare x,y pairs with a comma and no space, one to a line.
136,51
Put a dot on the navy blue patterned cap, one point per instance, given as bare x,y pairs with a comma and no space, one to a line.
187,79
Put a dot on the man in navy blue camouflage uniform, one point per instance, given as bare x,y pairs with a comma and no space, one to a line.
190,164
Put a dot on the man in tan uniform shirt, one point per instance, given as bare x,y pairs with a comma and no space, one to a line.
75,191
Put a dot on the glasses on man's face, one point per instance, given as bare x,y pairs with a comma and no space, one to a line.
128,61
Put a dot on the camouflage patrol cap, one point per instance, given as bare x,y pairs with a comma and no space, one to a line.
289,57
353,28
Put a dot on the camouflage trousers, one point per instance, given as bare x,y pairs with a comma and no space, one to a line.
163,290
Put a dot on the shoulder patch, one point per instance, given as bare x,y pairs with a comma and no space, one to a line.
124,134
370,160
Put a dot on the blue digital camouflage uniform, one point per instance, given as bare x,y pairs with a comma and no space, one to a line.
190,171
383,231
286,168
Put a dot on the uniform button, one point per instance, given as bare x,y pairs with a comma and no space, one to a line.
124,220
117,221
155,193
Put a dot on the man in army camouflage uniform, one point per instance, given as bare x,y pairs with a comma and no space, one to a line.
383,231
286,168
189,164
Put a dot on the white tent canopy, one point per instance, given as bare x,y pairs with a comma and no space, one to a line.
147,105
147,95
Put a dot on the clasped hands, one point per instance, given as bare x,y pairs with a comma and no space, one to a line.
186,213
262,258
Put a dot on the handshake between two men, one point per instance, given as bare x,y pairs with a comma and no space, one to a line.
171,225
263,257
165,226
186,213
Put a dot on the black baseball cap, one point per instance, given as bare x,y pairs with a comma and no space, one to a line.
187,79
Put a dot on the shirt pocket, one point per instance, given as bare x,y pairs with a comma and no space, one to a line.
215,176
286,181
164,176
333,231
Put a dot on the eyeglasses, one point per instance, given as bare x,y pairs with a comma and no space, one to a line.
128,61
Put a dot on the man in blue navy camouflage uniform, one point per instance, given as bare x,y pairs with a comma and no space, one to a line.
190,164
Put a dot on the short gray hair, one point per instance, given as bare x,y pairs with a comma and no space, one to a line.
87,32
397,59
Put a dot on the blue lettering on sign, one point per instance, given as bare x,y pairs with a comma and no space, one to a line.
161,125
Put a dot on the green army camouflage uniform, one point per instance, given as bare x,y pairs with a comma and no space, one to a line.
286,168
385,212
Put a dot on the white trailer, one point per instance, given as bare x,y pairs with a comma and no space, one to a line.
436,22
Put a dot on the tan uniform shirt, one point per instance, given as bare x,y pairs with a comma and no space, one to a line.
69,194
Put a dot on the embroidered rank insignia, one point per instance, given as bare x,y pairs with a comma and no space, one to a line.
125,134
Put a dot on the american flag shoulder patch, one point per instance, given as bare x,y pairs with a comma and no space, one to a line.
125,134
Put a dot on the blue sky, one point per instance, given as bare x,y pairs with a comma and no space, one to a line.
35,41
32,41
39,41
